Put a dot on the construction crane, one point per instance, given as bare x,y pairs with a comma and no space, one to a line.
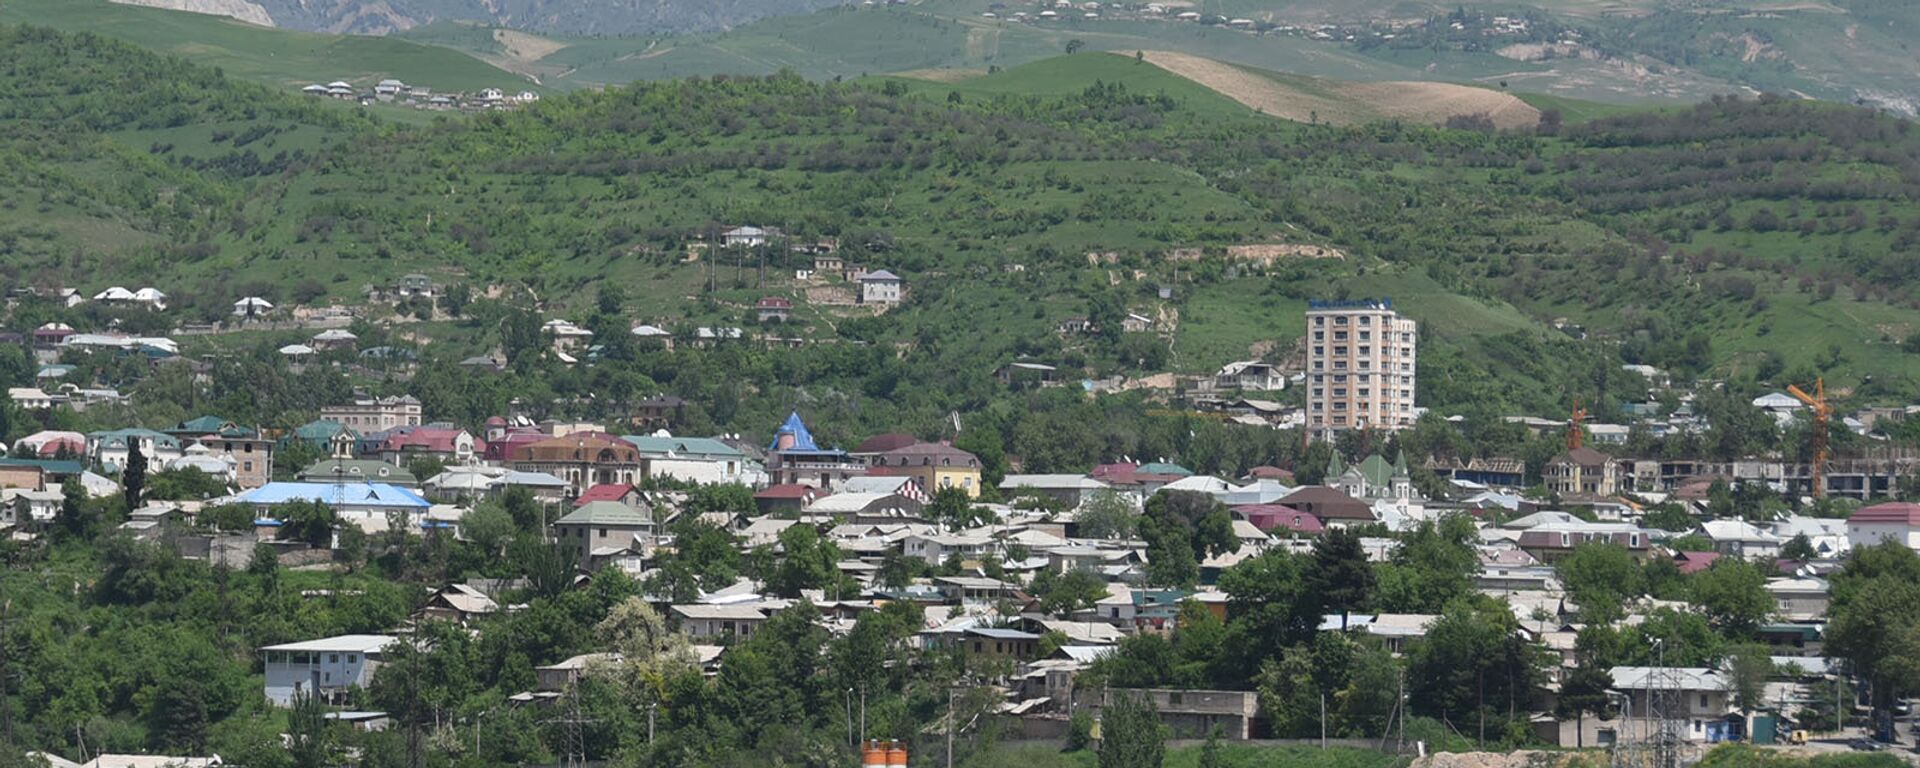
1574,436
1822,413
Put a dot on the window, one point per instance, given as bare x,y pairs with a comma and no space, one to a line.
333,658
1366,335
1319,350
1340,320
1366,320
1319,335
1703,701
1174,699
353,658
1319,321
1339,391
603,533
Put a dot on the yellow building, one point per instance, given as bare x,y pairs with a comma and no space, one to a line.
934,465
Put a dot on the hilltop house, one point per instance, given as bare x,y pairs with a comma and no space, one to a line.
327,668
774,309
881,287
1250,374
744,237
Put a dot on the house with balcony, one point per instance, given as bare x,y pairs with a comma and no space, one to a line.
328,668
794,458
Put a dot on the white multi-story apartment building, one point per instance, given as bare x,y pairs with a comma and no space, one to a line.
1360,366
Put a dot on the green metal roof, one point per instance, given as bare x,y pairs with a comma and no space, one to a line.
684,446
606,513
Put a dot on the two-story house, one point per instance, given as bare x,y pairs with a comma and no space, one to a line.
327,668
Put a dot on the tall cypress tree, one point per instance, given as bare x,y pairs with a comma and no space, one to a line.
133,477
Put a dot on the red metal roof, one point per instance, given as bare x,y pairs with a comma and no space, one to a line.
786,491
1902,512
603,492
1268,517
1694,562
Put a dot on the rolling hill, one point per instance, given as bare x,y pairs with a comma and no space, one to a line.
283,58
1719,239
575,17
1619,51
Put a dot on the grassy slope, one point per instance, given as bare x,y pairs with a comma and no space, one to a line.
557,230
272,56
1062,76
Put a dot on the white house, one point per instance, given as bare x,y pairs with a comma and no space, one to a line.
327,668
936,548
30,398
1250,374
1738,538
695,460
744,237
1895,520
151,298
881,287
21,506
716,621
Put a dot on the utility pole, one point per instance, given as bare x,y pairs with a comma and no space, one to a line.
6,669
863,715
1323,721
413,700
952,723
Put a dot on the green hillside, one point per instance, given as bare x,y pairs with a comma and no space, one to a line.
276,57
1717,240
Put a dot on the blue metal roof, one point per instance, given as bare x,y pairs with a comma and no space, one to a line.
336,495
802,439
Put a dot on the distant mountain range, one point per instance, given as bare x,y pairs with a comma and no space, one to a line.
566,17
